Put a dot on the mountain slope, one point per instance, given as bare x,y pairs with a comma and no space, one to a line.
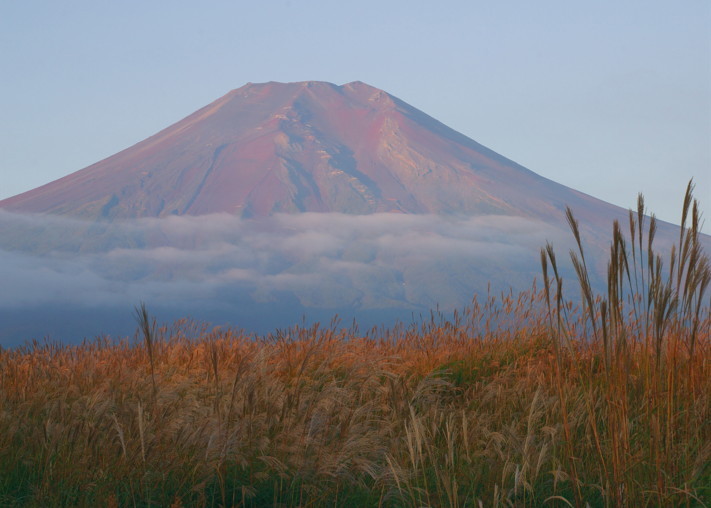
310,146
279,201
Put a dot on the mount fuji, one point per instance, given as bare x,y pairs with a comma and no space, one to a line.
277,201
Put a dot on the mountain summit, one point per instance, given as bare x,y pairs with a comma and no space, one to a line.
410,216
303,147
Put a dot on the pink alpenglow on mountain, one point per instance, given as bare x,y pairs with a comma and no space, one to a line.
279,201
305,147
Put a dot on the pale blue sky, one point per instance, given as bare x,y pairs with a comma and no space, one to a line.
608,97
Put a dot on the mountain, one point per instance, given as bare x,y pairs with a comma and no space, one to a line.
279,201
304,147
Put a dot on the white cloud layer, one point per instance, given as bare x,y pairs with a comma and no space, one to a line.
324,260
70,278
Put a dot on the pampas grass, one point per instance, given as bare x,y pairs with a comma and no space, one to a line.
521,400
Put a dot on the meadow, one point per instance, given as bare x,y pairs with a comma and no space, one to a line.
520,400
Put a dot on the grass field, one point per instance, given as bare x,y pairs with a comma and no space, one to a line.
521,400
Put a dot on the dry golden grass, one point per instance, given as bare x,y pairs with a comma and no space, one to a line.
519,401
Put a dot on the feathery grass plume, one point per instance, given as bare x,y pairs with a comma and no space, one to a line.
581,270
697,266
557,333
147,327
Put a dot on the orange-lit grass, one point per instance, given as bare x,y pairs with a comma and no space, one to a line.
428,415
517,401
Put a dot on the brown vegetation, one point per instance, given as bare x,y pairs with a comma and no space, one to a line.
518,401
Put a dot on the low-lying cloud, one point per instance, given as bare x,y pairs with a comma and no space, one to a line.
324,261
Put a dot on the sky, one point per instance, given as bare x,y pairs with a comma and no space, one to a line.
610,98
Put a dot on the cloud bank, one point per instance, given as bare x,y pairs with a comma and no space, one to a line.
310,261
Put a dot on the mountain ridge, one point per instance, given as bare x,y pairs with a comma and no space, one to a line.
277,201
305,146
